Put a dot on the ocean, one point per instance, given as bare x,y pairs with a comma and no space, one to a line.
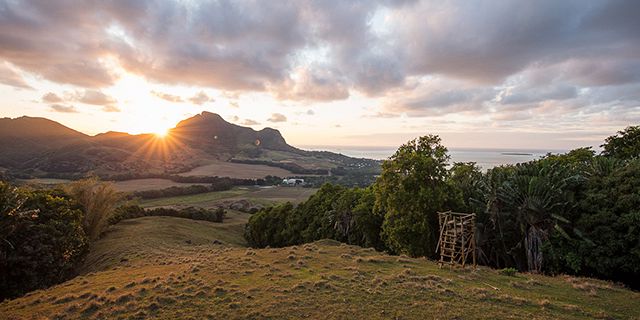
485,158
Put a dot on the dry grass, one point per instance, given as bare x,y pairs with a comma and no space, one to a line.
237,170
149,184
165,278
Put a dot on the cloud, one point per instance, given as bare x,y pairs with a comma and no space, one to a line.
95,97
249,122
437,96
111,108
383,115
502,60
277,117
63,108
312,85
167,97
234,104
200,98
310,112
12,78
90,97
51,97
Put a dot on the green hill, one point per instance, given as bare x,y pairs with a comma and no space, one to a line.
170,268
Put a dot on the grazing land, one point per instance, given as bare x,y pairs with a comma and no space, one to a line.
257,195
149,184
237,170
43,181
166,268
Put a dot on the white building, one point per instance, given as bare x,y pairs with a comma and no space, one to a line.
292,182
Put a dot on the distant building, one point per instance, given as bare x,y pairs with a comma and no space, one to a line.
292,182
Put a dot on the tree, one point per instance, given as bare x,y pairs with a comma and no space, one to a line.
534,197
42,240
410,191
610,222
624,145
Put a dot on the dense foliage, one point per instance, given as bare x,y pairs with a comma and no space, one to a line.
576,213
41,239
134,211
624,145
334,212
411,190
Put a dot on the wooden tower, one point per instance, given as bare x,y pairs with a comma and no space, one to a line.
457,241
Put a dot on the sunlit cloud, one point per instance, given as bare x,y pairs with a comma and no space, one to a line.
63,108
277,117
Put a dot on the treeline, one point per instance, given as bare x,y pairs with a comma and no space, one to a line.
220,184
289,166
134,211
575,213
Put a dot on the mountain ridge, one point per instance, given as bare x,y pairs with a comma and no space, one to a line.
41,147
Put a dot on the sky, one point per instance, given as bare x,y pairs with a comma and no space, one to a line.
542,74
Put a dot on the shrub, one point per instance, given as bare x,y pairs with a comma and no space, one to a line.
98,201
511,272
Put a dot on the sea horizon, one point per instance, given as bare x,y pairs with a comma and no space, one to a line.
486,158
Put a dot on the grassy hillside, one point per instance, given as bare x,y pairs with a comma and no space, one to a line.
169,268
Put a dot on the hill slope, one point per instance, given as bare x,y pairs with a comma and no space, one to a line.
161,275
25,138
40,147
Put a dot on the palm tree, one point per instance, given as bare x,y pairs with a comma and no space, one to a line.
536,195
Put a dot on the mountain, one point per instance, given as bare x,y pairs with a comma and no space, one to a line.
25,138
40,147
209,132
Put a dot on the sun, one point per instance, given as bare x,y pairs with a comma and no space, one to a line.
161,132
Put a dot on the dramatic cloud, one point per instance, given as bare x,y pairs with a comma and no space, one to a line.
572,60
277,117
63,108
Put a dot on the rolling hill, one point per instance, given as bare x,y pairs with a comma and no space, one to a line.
169,268
38,147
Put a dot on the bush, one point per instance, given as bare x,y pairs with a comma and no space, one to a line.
98,201
41,239
134,211
511,272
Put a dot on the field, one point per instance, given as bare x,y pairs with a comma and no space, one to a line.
172,268
258,195
237,170
43,181
149,184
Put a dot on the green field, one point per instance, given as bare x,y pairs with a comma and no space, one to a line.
263,196
171,268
